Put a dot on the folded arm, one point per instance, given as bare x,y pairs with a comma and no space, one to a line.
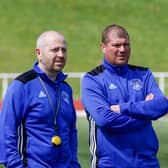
151,108
98,107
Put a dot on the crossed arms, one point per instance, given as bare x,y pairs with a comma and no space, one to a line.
116,108
151,108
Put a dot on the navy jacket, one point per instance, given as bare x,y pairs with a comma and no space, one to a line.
126,139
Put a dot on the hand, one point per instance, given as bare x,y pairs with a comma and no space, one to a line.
149,97
115,108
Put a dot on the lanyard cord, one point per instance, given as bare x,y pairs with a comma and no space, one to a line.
55,112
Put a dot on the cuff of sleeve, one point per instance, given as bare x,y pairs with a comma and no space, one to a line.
125,108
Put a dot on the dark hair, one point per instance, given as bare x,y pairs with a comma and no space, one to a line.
117,29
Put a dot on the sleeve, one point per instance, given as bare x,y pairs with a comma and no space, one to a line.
12,113
151,109
2,140
98,107
74,141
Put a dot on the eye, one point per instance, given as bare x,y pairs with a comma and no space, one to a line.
126,44
55,49
118,45
64,49
59,49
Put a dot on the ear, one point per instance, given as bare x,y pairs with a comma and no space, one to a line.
103,47
37,52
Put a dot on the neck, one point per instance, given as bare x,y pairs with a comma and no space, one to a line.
51,74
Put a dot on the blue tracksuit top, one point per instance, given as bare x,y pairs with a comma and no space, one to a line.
126,139
27,123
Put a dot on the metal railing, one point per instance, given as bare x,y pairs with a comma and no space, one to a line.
6,77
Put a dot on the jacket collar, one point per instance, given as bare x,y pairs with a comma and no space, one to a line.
114,68
60,76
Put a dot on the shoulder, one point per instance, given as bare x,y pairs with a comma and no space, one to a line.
26,76
97,70
135,68
66,86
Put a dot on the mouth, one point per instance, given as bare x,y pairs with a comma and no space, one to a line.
122,56
59,63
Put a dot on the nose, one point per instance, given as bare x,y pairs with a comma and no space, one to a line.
61,52
122,48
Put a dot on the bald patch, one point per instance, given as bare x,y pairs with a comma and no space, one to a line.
47,36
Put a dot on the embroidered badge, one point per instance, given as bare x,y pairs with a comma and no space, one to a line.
65,97
136,84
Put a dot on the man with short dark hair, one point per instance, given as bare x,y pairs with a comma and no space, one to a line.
121,100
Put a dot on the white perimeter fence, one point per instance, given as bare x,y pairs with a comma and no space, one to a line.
6,77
